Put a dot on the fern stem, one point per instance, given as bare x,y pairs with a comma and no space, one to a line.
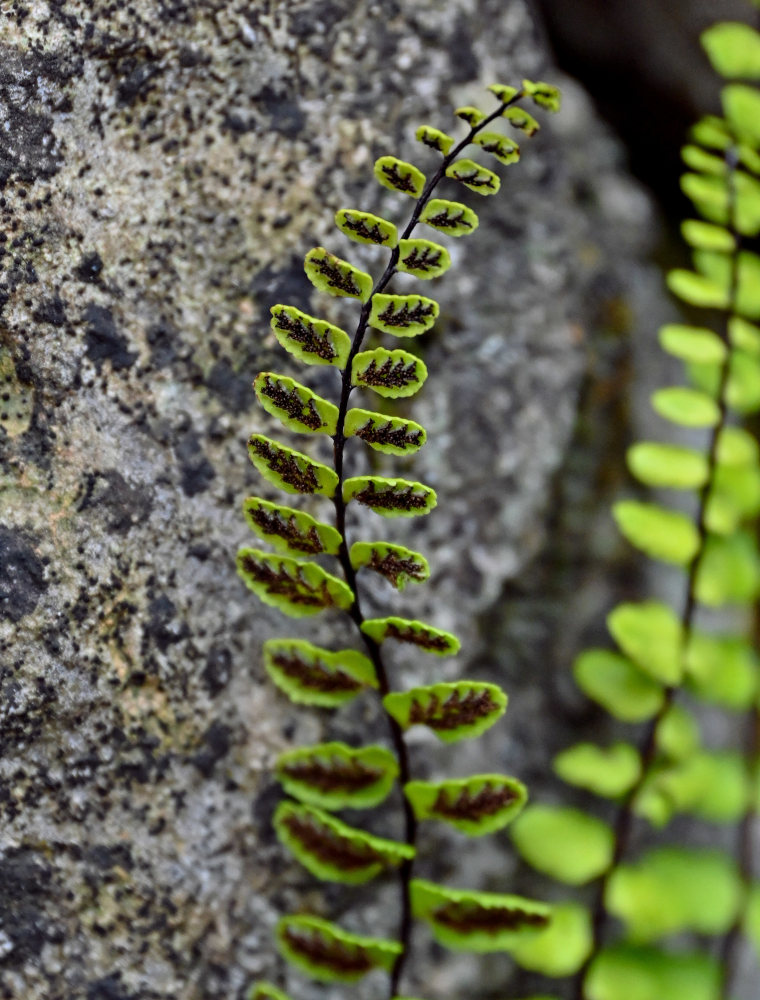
339,442
625,817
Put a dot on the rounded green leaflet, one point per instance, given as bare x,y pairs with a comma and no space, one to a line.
734,497
709,195
667,465
265,991
476,921
733,49
729,570
391,435
473,116
325,951
618,685
644,973
402,315
561,948
678,734
736,446
505,150
390,497
606,771
363,227
480,804
330,274
331,849
310,675
718,269
712,132
741,106
744,335
336,776
651,635
743,390
313,341
691,343
290,530
687,407
711,785
504,92
397,564
722,669
424,637
392,374
521,119
456,711
434,138
291,470
423,258
474,176
293,586
451,217
697,290
707,163
296,406
397,175
662,534
567,844
706,236
545,95
674,889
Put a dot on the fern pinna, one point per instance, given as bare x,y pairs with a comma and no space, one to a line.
670,661
332,776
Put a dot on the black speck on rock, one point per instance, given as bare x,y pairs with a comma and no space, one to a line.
138,80
217,746
89,267
105,856
288,284
197,472
110,495
285,114
264,806
103,340
24,885
164,341
22,576
161,613
108,988
52,311
217,671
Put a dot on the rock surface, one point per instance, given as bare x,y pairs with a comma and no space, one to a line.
164,168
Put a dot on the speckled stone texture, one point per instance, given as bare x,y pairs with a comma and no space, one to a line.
164,167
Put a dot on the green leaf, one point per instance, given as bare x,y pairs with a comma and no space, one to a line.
618,685
687,407
331,849
667,465
718,269
504,92
723,669
706,163
311,340
733,49
562,948
712,132
697,290
674,889
327,952
291,470
662,534
403,315
434,138
521,119
606,771
399,176
567,844
741,106
296,406
734,497
335,776
451,217
265,991
390,497
391,374
692,343
709,195
423,258
648,974
473,116
651,635
743,390
363,227
397,564
476,806
425,637
677,733
330,274
310,675
545,95
290,530
711,785
737,447
392,435
474,176
294,586
729,570
476,921
706,236
501,146
456,711
743,335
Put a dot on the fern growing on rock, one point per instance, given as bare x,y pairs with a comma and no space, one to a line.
332,776
670,659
